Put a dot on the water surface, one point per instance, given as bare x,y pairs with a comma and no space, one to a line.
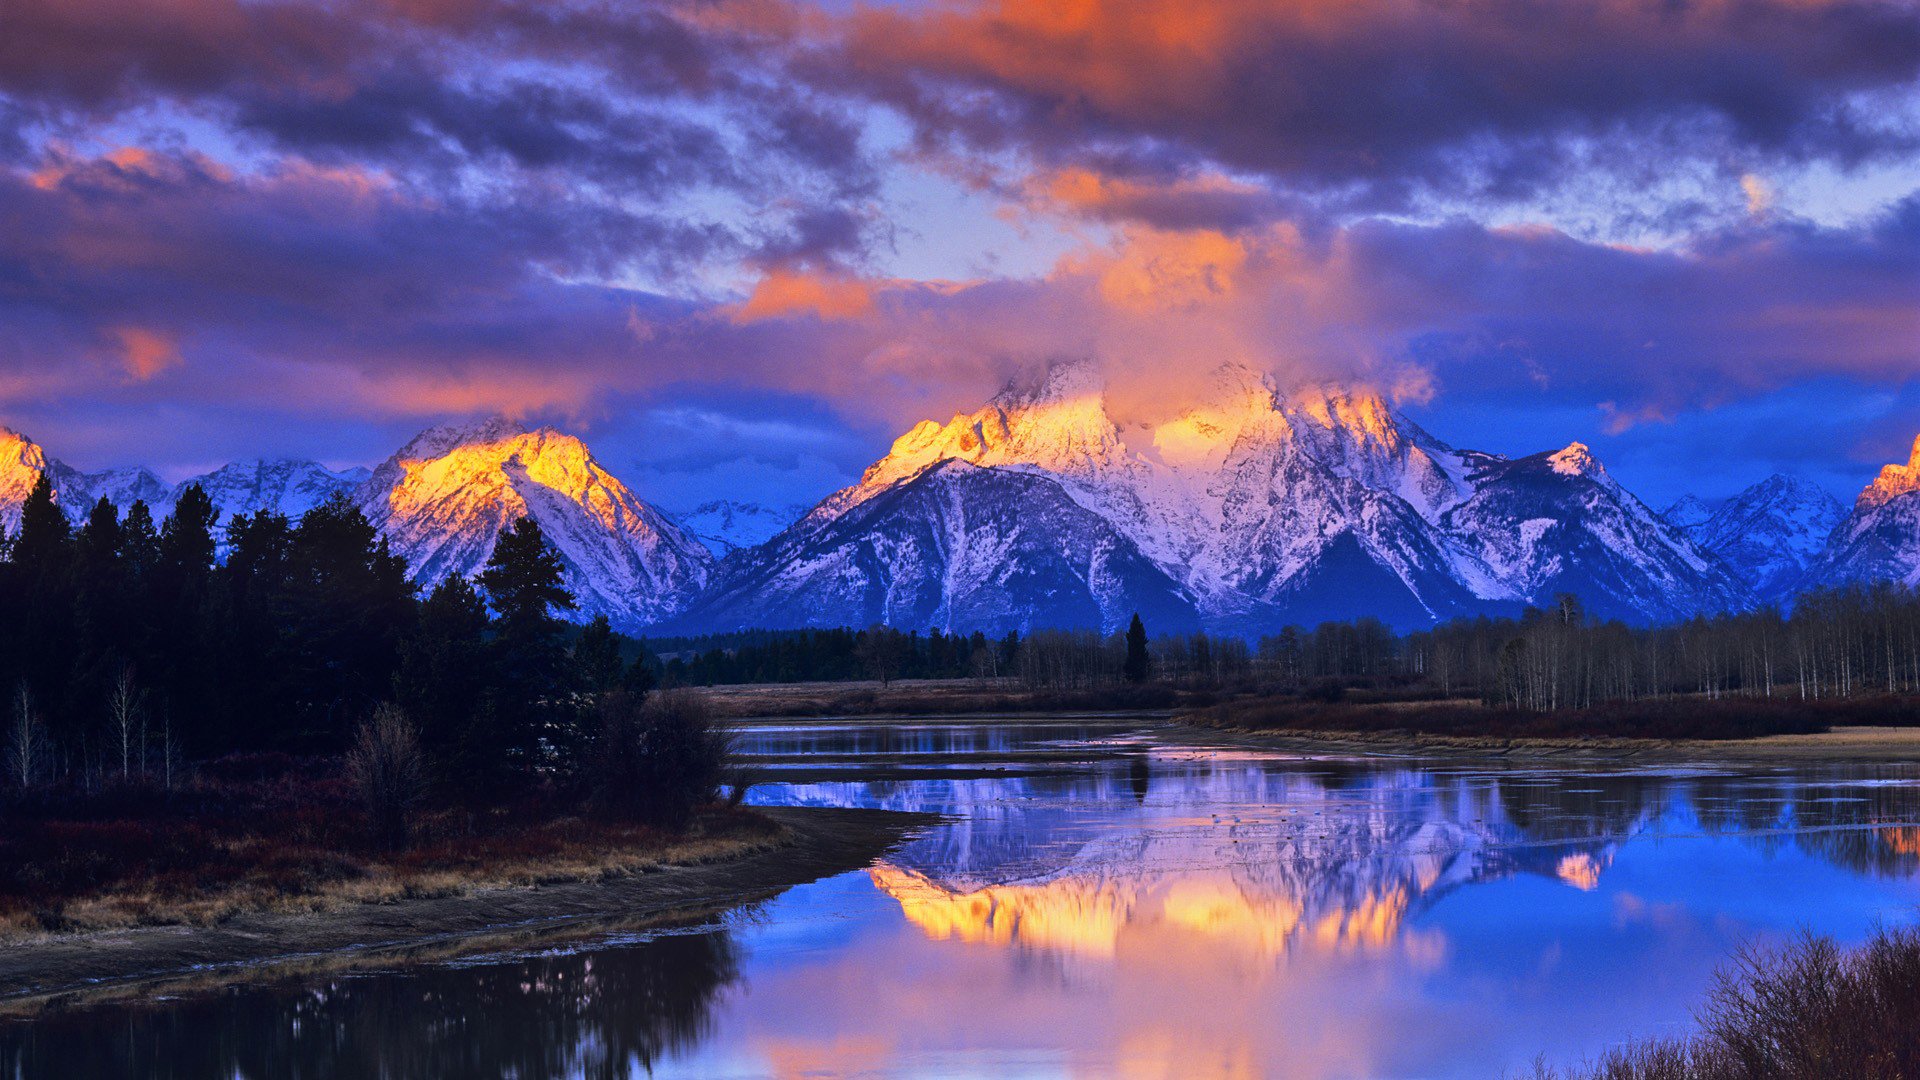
1108,901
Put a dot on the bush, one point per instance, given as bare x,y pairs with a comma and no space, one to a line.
1805,1012
389,773
656,759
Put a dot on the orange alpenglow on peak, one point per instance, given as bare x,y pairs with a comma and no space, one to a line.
1893,481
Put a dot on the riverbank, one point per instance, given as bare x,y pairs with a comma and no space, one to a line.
71,968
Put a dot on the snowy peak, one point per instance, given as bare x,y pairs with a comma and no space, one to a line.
1577,460
21,463
1770,533
1893,482
1688,512
728,525
284,486
442,500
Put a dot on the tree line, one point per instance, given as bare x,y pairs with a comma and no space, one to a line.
129,648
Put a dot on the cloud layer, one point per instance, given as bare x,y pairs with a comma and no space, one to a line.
393,211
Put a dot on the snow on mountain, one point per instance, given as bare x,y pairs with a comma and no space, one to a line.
1559,523
284,486
727,525
22,461
442,500
1879,540
1689,512
954,546
1770,533
1264,508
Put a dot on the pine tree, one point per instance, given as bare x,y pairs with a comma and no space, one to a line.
523,584
1139,665
44,545
523,576
596,658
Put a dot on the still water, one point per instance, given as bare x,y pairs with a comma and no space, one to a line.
1108,900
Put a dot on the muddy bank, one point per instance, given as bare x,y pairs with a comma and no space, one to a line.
1861,744
84,967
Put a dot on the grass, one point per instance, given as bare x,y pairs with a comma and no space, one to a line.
1809,1011
285,836
1663,718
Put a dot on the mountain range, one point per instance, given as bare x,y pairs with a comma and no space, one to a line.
1249,510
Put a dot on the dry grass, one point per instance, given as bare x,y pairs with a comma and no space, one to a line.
297,842
1810,1011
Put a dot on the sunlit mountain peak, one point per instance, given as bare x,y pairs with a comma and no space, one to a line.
1893,481
444,497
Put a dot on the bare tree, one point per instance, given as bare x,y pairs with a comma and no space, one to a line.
123,710
26,743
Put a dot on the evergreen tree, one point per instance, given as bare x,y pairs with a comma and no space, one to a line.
522,580
597,667
44,545
445,681
523,576
1139,664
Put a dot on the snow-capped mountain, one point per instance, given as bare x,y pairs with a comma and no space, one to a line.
442,500
954,545
286,486
1264,509
1770,533
1879,540
1689,512
1559,523
727,525
22,461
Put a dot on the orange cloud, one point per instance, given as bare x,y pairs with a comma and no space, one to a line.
793,292
146,353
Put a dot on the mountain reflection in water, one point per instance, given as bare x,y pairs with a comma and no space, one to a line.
1106,902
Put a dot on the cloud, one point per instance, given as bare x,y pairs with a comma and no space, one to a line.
1379,102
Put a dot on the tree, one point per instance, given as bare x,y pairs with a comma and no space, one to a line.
881,650
123,712
1139,665
523,577
523,583
43,546
596,658
389,772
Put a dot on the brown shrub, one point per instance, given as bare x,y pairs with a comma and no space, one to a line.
1809,1011
390,773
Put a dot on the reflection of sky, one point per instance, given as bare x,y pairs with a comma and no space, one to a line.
1258,917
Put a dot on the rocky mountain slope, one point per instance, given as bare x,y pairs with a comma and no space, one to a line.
727,525
1263,508
442,500
1879,539
1767,535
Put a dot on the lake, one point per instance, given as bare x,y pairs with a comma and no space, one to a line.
1111,899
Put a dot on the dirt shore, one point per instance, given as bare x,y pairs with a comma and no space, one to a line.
85,967
1862,744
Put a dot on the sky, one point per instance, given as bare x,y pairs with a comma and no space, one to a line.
739,245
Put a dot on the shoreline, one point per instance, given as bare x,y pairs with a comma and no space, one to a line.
77,969
1865,745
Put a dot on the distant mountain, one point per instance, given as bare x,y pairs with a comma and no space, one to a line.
727,525
1689,512
954,545
286,486
1261,509
442,500
1879,539
1558,523
22,461
1769,534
